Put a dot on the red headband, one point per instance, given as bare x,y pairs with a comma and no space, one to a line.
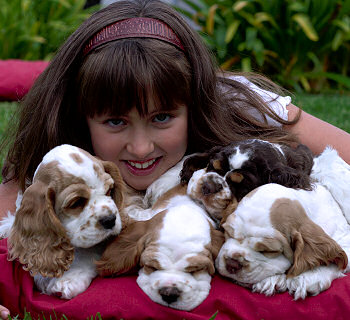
134,28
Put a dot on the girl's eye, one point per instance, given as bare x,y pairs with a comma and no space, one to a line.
162,118
115,122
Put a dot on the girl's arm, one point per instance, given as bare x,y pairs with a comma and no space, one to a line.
317,134
8,196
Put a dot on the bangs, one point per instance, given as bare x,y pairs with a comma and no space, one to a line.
132,73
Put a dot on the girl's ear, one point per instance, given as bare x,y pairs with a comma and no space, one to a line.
124,252
119,184
37,237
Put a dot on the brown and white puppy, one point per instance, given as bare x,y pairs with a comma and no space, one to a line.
282,239
254,162
175,249
74,203
212,192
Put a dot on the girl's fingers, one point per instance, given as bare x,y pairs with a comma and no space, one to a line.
4,312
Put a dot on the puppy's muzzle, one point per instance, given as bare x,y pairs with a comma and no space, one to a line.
232,265
107,222
210,187
169,294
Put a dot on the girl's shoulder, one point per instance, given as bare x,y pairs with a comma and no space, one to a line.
271,94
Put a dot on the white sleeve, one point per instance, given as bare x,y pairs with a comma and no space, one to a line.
277,103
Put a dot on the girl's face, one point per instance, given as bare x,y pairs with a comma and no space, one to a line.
142,147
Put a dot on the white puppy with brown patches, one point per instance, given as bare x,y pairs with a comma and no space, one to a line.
74,203
282,239
175,249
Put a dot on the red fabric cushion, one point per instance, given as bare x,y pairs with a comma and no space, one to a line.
122,298
17,77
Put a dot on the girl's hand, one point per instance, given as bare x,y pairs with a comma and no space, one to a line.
4,312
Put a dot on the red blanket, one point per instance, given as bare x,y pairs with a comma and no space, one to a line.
121,298
17,76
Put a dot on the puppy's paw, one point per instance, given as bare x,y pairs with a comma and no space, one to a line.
271,285
66,287
313,282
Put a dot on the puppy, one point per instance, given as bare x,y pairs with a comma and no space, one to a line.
282,239
254,162
211,191
175,249
74,203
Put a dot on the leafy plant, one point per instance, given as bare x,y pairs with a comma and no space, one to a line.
299,43
33,29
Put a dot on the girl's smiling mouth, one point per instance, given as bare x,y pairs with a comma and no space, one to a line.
141,168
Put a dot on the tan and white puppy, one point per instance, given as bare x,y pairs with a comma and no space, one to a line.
74,203
282,239
211,190
175,249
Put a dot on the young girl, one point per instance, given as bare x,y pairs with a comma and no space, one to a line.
134,84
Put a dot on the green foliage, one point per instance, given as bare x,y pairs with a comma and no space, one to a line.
34,29
302,44
7,118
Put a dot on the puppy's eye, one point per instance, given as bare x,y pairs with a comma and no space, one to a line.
109,192
149,269
77,203
194,269
270,254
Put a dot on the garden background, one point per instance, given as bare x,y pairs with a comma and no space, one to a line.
304,45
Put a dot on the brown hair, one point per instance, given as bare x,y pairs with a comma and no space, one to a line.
122,74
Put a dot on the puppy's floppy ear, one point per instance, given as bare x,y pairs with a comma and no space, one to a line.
119,184
301,158
230,209
296,172
217,240
192,164
313,248
38,238
289,177
124,252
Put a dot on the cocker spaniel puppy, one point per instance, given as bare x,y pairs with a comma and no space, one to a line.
254,162
280,238
175,249
74,203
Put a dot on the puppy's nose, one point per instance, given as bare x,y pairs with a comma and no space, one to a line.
107,222
169,294
232,265
210,187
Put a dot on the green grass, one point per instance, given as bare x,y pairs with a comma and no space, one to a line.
6,111
333,108
28,316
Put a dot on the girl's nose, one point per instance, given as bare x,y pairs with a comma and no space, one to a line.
140,145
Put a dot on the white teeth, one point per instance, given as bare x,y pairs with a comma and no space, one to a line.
143,165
